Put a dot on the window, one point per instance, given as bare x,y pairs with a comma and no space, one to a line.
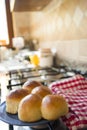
3,23
6,28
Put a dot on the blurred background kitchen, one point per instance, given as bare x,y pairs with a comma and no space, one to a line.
53,28
61,24
57,24
55,31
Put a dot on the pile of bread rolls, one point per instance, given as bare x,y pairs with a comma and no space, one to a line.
35,101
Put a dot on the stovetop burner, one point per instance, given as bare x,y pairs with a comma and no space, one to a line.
44,75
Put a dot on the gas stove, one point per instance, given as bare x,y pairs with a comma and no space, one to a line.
58,124
55,125
44,75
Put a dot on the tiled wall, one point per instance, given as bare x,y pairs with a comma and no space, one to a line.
69,50
64,28
65,23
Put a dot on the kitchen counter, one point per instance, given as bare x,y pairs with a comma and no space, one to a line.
13,64
17,61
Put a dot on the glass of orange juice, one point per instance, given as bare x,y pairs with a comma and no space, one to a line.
34,59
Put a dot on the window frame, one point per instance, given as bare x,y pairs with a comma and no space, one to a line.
9,23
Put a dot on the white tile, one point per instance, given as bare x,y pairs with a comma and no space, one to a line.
59,23
78,16
67,20
86,13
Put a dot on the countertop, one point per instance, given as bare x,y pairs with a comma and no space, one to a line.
17,61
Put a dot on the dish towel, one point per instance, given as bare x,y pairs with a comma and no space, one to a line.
74,89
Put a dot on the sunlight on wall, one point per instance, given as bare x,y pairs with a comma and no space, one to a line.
3,22
67,22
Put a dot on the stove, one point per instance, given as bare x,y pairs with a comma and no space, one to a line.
44,75
58,124
55,125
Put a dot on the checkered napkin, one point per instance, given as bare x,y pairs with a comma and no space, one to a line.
74,89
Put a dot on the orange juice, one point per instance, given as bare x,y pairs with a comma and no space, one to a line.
34,60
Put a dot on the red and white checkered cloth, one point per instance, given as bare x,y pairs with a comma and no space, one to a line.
74,89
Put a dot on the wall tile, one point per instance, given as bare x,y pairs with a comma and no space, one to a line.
63,27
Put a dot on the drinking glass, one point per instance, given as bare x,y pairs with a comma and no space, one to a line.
34,59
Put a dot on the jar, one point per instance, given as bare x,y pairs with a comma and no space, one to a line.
46,57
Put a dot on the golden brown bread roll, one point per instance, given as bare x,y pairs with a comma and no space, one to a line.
53,107
13,99
30,84
41,91
29,108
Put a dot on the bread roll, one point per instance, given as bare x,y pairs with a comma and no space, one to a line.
41,91
29,108
13,99
30,84
53,107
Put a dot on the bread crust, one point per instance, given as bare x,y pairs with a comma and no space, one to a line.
29,108
13,99
41,91
53,107
31,84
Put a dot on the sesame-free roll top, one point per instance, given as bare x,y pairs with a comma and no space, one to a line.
13,99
